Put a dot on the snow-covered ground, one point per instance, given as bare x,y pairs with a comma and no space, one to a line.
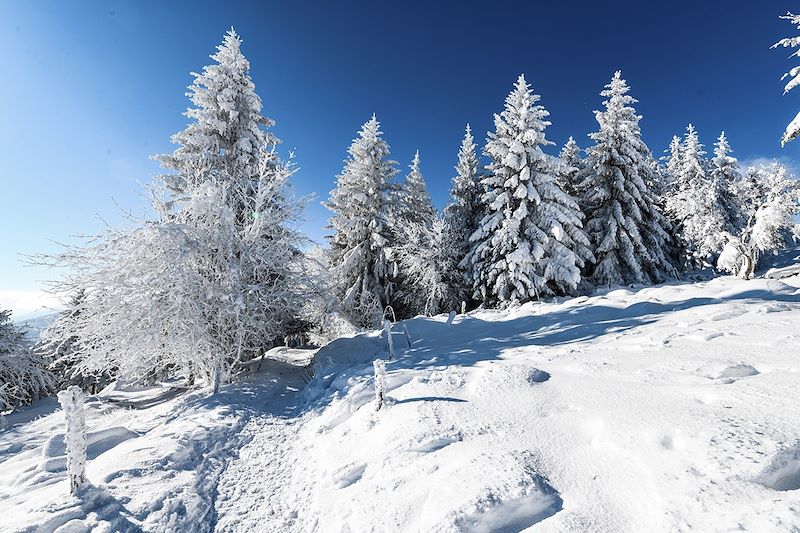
670,408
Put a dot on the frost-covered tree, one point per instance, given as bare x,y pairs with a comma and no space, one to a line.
793,129
773,209
23,376
192,293
773,202
214,278
573,165
530,242
673,160
361,260
694,205
227,132
429,256
413,201
465,209
724,177
629,234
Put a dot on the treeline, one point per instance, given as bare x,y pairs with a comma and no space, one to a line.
221,274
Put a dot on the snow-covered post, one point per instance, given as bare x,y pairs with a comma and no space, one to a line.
387,327
216,377
71,401
407,334
451,317
380,381
463,307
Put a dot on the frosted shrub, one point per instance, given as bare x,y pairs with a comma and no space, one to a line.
736,257
71,401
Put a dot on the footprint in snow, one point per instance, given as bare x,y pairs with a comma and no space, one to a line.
736,372
494,513
784,472
346,476
537,376
436,443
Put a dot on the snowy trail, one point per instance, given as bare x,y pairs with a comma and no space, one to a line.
154,465
255,493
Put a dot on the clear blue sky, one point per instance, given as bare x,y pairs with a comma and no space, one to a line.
91,89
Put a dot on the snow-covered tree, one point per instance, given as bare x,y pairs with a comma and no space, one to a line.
573,164
724,176
429,256
214,279
530,242
694,205
737,257
227,131
192,293
774,209
361,260
773,200
629,234
23,376
465,209
793,129
413,201
674,161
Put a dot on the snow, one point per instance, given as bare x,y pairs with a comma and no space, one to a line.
635,409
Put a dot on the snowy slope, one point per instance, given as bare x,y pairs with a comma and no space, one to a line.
670,408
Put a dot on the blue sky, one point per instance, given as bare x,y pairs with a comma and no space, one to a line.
91,89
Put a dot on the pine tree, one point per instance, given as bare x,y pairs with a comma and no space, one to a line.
573,165
413,201
530,242
673,160
227,135
213,280
360,251
428,255
629,234
465,209
793,129
23,376
724,176
694,205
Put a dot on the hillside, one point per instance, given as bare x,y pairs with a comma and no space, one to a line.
669,408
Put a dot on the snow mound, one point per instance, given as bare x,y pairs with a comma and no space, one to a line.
784,472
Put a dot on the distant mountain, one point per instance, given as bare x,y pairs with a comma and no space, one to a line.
35,323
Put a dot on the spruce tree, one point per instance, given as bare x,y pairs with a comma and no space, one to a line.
725,176
530,242
674,160
227,132
360,252
413,201
793,128
573,164
694,205
213,279
465,209
629,235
